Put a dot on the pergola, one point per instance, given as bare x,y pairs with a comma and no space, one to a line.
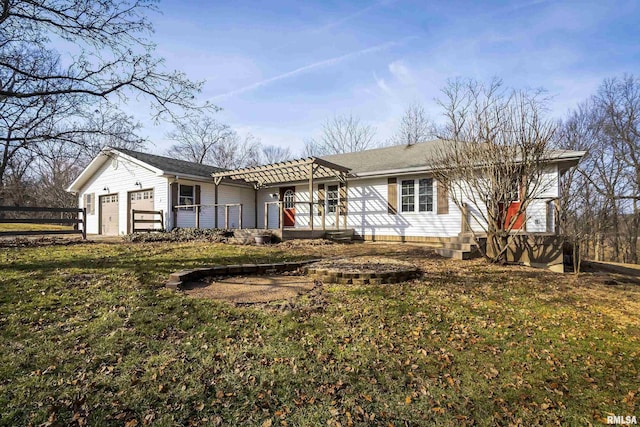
292,171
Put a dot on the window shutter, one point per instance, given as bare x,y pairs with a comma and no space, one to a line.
89,202
196,196
392,196
320,199
443,199
174,196
343,199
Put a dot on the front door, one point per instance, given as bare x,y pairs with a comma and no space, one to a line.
512,210
288,197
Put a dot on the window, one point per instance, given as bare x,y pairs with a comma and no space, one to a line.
88,203
142,195
186,196
408,195
332,198
289,199
425,195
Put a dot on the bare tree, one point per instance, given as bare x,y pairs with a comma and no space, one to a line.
275,154
116,56
202,139
38,131
415,126
608,126
239,152
50,97
492,158
341,134
199,138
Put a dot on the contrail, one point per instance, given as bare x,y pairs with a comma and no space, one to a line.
326,62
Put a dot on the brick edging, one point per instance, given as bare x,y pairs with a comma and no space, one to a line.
180,277
330,275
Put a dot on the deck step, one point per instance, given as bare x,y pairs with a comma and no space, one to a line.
453,253
340,236
461,247
466,247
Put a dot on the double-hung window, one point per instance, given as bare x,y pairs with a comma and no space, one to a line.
186,196
332,198
408,195
424,193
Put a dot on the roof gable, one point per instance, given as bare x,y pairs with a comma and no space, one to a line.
159,164
170,165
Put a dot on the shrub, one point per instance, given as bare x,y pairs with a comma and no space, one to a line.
181,235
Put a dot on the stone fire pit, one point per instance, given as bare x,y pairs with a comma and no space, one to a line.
362,270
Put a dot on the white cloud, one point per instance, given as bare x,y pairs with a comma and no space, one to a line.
401,72
306,68
382,85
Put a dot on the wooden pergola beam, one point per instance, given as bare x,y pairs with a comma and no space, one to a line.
285,172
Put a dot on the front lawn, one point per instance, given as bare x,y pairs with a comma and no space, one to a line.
91,337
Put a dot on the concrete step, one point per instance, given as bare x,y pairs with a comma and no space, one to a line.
341,239
339,233
459,246
453,253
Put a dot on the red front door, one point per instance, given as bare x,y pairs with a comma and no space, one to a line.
511,212
288,196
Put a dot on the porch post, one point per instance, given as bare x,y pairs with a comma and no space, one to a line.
226,217
266,215
311,196
240,218
345,202
215,205
255,208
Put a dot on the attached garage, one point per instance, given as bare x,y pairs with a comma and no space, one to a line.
109,215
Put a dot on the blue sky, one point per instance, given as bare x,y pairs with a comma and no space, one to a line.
279,69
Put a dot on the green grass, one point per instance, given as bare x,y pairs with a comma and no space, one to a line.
90,337
32,227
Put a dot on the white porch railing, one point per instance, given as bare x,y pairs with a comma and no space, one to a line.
312,213
198,209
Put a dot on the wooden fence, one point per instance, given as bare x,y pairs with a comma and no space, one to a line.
151,222
78,222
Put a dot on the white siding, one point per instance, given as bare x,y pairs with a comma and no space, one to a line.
120,180
266,195
367,211
227,194
536,215
367,207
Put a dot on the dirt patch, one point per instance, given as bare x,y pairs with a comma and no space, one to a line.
252,289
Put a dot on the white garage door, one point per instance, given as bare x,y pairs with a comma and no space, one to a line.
142,201
109,215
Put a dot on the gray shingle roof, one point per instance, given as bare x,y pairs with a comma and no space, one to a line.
388,158
399,157
170,165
